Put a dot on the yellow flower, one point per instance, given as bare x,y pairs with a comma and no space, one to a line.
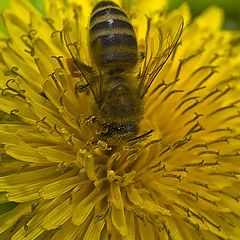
182,182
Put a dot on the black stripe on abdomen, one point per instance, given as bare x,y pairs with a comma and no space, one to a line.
115,40
104,4
110,24
107,12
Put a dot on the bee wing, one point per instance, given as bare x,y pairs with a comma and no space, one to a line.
87,73
160,43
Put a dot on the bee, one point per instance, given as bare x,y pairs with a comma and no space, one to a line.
118,80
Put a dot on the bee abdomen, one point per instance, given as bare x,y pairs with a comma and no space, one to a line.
112,38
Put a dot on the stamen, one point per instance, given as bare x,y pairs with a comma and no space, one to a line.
50,22
227,129
185,101
58,33
192,194
209,153
228,80
235,198
210,94
226,174
219,140
195,225
171,93
43,121
226,220
193,90
197,115
61,98
27,39
218,110
53,77
170,175
204,185
14,111
201,164
236,154
208,200
183,169
215,57
58,58
158,167
221,94
212,223
201,145
158,87
184,61
196,128
165,150
14,70
190,107
186,209
14,92
180,143
167,230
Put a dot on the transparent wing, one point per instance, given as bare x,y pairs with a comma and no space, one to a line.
87,73
159,45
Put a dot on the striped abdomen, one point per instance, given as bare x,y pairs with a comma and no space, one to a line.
112,38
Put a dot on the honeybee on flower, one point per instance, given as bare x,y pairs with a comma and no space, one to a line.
119,86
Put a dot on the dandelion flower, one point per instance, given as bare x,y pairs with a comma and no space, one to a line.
182,182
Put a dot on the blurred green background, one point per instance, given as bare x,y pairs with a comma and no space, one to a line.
231,7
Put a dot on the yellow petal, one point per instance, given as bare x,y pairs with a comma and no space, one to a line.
212,18
10,138
85,207
119,220
116,196
25,153
134,196
67,231
145,230
155,208
56,154
94,230
131,226
59,187
58,216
